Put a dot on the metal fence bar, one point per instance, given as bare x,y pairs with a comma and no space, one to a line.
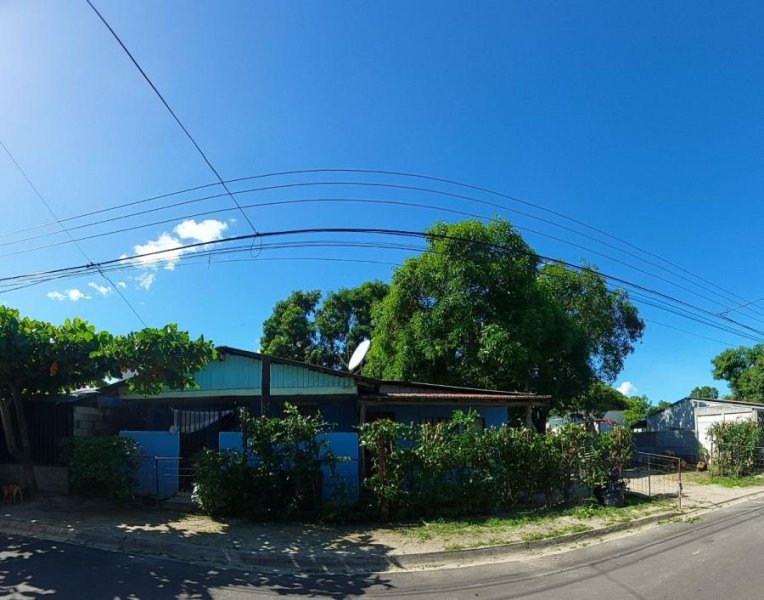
655,476
163,477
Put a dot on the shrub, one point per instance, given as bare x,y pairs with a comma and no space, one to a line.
102,467
389,447
277,476
734,447
453,468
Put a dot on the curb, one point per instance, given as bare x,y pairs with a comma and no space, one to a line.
731,502
337,562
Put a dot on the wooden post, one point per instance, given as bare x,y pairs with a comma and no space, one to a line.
529,417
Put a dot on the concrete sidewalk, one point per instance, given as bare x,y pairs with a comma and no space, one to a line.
289,546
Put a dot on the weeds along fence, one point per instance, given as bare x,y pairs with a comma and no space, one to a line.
736,461
655,476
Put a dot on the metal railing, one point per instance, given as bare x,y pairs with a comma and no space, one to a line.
163,477
655,476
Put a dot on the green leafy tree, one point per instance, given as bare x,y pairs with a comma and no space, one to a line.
290,331
476,309
606,318
595,401
662,405
344,320
638,409
38,359
743,369
324,332
468,311
705,391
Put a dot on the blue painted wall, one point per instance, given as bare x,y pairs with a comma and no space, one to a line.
158,465
345,447
495,416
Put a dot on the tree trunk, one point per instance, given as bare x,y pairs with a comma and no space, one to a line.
23,454
6,417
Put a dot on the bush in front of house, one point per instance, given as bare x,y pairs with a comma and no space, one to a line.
102,467
277,476
454,468
734,448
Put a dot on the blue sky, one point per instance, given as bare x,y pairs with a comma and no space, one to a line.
640,119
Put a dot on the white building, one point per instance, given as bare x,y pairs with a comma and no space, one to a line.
696,415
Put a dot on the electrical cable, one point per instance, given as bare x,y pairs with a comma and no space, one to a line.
79,247
172,112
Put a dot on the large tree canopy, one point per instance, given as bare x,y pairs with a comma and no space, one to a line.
305,328
467,311
39,359
475,308
743,369
607,318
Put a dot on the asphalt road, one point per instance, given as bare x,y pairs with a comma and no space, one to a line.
718,557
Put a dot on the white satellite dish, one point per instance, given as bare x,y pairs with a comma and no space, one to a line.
358,355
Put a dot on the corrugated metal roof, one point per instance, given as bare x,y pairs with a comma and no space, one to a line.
459,396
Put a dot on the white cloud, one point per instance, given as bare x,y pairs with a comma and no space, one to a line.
167,245
627,388
104,290
208,230
146,279
166,250
74,295
122,284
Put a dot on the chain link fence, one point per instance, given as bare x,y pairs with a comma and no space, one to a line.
655,476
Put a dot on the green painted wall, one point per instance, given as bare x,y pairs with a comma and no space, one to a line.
242,376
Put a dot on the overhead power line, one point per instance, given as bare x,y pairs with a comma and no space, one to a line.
172,113
75,242
714,299
704,283
681,306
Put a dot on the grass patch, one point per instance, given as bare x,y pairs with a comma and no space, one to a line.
489,528
706,478
730,482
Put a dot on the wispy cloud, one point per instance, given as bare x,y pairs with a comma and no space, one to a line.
627,388
73,295
122,284
146,279
170,244
104,290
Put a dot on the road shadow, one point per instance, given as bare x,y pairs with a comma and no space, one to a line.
288,558
31,569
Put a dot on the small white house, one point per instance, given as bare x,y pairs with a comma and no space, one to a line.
696,415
